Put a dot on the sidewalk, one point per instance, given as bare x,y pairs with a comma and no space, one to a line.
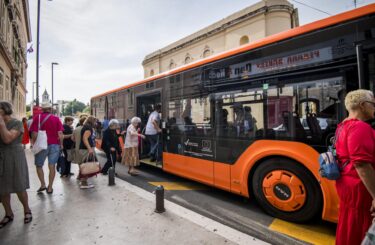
121,214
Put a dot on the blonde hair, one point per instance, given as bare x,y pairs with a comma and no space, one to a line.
90,121
356,97
82,120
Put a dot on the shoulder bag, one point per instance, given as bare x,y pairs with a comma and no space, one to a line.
41,138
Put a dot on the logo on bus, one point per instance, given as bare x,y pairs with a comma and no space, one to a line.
206,146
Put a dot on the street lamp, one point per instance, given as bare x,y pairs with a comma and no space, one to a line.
52,64
32,99
37,55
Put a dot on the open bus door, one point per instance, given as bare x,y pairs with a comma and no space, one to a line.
145,105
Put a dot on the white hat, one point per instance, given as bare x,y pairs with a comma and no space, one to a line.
46,105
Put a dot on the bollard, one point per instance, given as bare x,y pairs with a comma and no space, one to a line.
159,193
111,174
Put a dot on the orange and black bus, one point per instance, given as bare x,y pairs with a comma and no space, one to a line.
253,120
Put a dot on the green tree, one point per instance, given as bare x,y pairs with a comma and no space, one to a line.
87,109
73,107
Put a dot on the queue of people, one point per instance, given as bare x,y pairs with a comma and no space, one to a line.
77,145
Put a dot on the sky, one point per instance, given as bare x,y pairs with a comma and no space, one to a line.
100,45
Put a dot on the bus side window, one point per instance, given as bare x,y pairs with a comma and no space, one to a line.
309,110
239,114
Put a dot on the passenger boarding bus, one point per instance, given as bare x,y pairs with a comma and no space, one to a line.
253,120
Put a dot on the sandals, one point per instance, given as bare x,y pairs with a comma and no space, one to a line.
133,173
28,218
50,192
41,189
7,219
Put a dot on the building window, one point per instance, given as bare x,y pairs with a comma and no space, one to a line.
187,59
1,84
7,86
206,53
172,65
8,32
2,15
130,98
152,72
244,40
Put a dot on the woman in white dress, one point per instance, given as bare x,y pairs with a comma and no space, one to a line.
131,155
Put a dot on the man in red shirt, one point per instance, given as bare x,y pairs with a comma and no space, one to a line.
54,130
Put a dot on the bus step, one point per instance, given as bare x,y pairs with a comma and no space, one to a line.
148,162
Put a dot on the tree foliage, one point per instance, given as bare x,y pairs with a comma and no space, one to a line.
73,108
87,109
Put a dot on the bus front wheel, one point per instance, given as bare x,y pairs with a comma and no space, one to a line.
286,190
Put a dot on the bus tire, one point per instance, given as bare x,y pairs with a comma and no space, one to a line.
287,190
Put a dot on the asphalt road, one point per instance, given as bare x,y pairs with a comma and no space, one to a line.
229,209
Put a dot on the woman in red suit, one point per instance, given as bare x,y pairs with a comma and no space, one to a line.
25,138
355,147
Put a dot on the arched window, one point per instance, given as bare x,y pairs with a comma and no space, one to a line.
244,40
152,72
187,59
172,65
206,53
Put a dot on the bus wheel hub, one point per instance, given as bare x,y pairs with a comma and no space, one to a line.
284,190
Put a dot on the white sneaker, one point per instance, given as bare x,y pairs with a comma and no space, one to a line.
86,186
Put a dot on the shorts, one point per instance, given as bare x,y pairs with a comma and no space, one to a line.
52,152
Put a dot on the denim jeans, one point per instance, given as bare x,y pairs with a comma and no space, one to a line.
156,147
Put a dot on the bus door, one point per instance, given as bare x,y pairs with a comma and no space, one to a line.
238,122
189,138
145,105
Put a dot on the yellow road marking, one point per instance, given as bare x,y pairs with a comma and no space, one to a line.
308,233
180,186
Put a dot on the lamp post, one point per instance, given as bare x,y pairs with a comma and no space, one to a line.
52,64
37,55
32,97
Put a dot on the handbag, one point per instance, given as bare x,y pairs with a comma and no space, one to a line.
61,163
41,138
329,166
90,167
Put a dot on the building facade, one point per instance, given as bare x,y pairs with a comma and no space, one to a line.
15,33
60,106
262,19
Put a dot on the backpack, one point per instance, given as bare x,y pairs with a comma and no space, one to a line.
329,166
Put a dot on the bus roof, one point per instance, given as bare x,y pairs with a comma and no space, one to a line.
342,17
